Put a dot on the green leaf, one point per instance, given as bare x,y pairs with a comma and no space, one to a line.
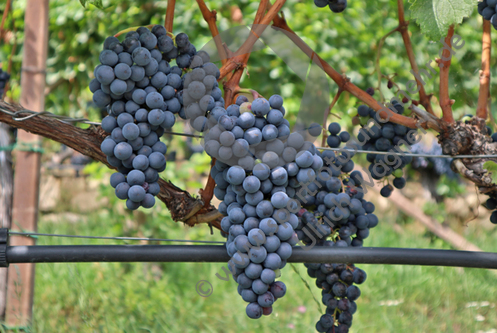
435,16
491,167
96,3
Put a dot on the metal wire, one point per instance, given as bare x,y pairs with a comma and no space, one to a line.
68,120
185,134
405,154
29,234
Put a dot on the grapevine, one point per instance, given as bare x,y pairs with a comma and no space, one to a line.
277,188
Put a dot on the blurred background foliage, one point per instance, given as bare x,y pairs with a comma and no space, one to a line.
162,297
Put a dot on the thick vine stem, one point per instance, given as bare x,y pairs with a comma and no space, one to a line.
87,141
461,138
168,24
424,99
261,22
280,22
486,49
231,87
208,192
210,18
430,120
445,101
4,17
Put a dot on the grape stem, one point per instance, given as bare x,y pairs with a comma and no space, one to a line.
210,18
261,22
431,120
4,18
424,99
486,48
168,23
280,22
207,193
445,101
377,63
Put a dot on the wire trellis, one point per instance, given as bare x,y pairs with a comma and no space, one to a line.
69,120
30,234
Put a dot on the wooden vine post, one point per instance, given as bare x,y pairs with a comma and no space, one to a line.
20,289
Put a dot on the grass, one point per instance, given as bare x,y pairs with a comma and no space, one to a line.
149,297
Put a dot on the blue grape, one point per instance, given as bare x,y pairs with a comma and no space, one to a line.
135,177
123,151
122,191
257,254
131,131
254,310
136,193
116,178
278,289
148,201
107,146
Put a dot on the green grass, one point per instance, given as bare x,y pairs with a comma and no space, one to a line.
148,297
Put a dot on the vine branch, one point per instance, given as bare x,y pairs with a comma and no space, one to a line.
377,63
210,18
280,22
168,24
483,105
4,18
181,204
424,99
445,101
260,24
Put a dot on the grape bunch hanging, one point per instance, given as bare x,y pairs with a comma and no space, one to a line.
336,6
143,93
488,9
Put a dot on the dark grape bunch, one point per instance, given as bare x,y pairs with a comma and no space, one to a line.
259,170
336,216
142,93
260,223
4,78
441,166
249,131
384,137
491,204
488,9
336,6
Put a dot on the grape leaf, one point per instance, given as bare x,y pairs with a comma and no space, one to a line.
96,3
491,167
436,16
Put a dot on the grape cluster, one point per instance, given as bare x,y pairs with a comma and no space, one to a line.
385,137
441,166
257,244
4,78
245,132
259,170
336,6
336,137
491,204
202,97
335,214
338,294
142,93
488,9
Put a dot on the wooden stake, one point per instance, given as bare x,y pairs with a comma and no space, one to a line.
20,288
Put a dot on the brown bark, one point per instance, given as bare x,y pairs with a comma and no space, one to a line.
87,141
